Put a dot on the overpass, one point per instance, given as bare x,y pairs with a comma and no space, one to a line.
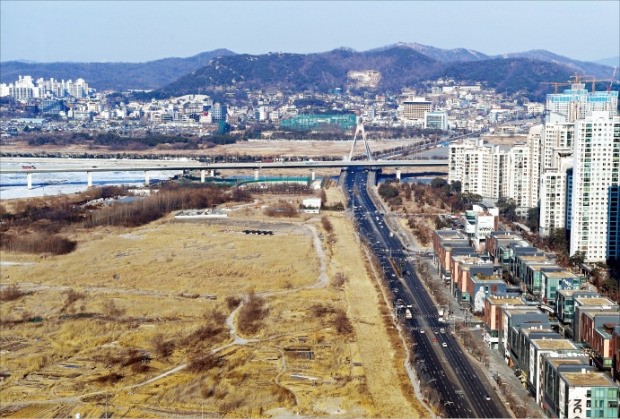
90,167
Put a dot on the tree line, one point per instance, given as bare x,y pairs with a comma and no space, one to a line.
36,225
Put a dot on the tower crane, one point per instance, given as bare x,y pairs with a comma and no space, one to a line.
612,79
556,84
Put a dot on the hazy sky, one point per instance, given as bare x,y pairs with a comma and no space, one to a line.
138,31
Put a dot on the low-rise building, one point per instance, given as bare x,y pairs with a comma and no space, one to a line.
512,322
590,303
550,378
498,245
493,305
462,267
565,303
553,280
596,327
546,347
587,394
479,286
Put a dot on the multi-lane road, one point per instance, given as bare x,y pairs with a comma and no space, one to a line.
463,389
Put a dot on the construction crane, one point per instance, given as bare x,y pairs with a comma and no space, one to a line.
612,79
556,84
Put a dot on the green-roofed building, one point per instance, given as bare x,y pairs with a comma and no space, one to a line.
312,121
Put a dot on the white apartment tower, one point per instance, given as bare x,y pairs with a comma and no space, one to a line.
495,171
554,187
596,162
557,143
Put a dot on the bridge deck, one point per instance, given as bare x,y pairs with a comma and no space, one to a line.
115,166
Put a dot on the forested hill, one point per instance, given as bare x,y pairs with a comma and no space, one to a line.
399,67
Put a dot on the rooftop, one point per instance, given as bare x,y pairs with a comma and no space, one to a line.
560,274
587,379
583,360
489,278
450,234
553,344
595,301
569,293
533,258
494,299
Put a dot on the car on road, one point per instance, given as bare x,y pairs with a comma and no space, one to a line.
487,398
444,344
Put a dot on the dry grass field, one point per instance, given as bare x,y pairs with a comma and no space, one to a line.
190,318
281,148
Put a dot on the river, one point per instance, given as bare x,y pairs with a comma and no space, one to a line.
14,185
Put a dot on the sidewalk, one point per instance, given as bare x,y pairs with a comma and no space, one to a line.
497,364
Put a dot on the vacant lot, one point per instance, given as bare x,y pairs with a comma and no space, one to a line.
188,318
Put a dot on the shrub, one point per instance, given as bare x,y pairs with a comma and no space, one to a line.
163,348
232,302
36,243
339,280
327,225
110,378
282,209
251,314
11,293
321,310
203,362
203,333
72,296
110,309
342,324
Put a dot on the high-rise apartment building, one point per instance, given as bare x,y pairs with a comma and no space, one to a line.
494,171
554,188
596,162
557,143
26,88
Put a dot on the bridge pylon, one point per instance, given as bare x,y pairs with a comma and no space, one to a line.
360,129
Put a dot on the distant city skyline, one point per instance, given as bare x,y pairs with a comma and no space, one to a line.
139,31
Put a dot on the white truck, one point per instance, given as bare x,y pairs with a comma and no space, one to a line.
441,313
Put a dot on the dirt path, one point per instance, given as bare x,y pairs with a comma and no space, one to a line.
321,282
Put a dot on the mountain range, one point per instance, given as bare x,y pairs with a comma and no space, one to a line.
399,65
114,75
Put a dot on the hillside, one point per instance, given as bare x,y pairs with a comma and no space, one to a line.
593,69
299,72
113,76
510,74
400,66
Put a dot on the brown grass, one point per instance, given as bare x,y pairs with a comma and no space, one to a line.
147,272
